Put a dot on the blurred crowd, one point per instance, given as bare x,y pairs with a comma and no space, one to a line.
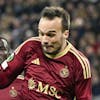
19,20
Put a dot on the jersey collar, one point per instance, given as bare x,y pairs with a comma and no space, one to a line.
61,53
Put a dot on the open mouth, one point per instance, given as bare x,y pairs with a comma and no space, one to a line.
47,46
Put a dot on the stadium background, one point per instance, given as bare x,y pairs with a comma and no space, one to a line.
19,20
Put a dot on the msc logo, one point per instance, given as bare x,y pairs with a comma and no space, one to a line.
40,87
31,84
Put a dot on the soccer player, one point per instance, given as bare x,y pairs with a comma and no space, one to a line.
54,68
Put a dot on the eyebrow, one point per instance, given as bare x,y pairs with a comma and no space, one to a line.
52,31
48,31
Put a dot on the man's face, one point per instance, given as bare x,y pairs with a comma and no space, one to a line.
51,35
3,51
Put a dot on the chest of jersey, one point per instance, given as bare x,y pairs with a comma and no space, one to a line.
49,76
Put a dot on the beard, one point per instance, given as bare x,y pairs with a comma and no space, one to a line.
54,52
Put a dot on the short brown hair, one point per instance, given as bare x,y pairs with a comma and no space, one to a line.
52,12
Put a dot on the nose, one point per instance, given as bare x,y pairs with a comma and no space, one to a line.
45,39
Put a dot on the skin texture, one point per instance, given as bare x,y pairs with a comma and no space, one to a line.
52,38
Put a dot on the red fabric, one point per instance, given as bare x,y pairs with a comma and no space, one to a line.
49,79
5,94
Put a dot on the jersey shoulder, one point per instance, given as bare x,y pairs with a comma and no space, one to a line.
33,41
82,60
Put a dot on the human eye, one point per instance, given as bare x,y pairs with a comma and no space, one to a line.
51,34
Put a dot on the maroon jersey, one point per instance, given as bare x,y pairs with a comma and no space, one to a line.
12,92
59,77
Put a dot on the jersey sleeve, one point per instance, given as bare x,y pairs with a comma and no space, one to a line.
82,76
83,84
12,66
16,63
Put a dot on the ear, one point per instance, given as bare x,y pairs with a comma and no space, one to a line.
66,34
